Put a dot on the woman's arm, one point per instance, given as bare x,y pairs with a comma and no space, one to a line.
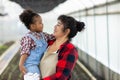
65,65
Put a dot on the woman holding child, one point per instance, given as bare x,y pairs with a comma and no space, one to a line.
61,55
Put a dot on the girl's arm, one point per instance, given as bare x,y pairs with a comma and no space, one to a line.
26,44
21,63
48,36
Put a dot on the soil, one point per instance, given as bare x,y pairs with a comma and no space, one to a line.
12,71
5,46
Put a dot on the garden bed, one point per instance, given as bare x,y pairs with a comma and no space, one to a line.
5,46
12,71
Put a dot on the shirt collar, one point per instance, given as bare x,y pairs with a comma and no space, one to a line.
37,35
65,43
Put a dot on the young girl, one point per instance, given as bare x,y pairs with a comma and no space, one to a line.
33,45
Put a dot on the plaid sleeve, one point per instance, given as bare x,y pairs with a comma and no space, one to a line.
26,43
65,65
48,36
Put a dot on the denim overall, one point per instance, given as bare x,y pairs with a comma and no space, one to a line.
33,60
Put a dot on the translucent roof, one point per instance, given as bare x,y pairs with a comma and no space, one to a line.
11,8
64,8
74,5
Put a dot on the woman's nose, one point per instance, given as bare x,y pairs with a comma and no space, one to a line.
55,26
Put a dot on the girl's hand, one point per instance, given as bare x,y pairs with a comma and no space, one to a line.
21,63
22,69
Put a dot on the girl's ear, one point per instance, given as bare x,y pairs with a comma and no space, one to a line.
32,26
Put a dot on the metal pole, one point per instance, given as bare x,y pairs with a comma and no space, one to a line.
95,40
107,18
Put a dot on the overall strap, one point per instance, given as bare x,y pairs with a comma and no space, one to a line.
42,35
33,37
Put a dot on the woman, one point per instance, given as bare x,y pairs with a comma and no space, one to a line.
61,55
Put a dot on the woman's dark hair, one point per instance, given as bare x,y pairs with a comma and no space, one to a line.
27,17
72,24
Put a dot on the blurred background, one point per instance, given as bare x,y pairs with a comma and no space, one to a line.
98,44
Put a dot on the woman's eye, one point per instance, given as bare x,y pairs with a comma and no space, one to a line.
58,24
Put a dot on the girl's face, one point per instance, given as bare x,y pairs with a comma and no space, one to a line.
58,30
38,25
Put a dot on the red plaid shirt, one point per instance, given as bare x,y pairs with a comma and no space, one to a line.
67,58
27,43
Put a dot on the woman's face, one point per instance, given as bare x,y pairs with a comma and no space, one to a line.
38,25
58,29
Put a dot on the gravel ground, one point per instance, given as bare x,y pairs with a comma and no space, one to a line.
12,71
79,74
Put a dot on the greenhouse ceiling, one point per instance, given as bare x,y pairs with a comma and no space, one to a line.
59,6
